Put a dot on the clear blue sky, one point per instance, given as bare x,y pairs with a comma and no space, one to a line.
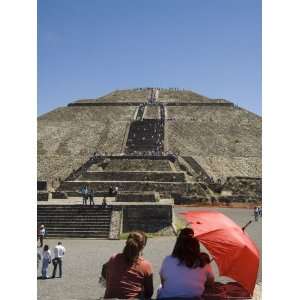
87,48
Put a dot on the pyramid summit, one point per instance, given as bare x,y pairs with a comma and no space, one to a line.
138,95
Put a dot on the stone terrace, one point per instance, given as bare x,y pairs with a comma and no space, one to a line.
133,165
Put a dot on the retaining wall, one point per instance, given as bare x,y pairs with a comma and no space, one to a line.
134,176
135,186
148,218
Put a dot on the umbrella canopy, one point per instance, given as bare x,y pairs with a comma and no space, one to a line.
234,252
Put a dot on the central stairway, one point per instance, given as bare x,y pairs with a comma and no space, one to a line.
75,221
145,136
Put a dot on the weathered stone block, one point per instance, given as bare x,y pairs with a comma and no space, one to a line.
149,218
138,197
59,195
42,196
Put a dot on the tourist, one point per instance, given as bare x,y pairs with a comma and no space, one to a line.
186,272
260,211
128,274
81,190
110,191
91,196
42,233
104,203
59,252
256,213
116,191
85,193
46,261
39,258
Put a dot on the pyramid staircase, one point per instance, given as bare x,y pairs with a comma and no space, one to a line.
75,221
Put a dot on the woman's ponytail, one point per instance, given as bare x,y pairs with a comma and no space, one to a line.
134,244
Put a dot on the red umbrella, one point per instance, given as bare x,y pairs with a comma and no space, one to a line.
234,252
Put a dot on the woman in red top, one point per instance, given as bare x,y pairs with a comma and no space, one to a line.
128,274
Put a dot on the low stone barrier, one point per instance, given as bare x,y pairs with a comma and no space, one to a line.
42,185
138,197
188,199
116,223
136,186
42,196
59,195
148,218
239,198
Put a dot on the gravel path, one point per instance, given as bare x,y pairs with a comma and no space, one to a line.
84,258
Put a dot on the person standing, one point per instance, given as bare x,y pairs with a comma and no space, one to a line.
104,203
85,195
39,258
42,233
91,196
116,191
59,252
46,261
256,213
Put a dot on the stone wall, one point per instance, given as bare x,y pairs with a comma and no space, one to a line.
244,186
42,196
134,176
115,223
135,186
149,218
59,195
42,185
138,164
138,197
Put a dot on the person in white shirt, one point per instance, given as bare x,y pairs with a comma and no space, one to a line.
185,273
59,252
46,261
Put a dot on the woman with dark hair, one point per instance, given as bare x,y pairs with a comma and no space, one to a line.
128,274
186,272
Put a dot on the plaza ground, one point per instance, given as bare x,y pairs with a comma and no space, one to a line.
84,258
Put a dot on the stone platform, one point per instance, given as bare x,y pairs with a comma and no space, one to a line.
70,218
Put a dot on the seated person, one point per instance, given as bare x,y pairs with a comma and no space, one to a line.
128,274
185,273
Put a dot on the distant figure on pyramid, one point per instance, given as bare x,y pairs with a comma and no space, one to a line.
153,96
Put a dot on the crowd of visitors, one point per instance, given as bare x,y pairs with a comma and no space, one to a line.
87,193
184,273
56,257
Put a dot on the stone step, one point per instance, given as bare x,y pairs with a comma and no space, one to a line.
74,212
79,235
78,228
77,231
75,220
49,220
75,206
